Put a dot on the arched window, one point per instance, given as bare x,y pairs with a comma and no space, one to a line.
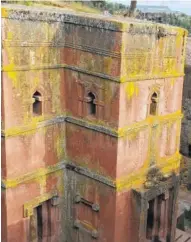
91,104
153,104
37,104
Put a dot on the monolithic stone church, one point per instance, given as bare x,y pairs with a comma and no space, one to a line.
91,118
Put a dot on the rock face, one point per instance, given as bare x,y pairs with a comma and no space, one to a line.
91,117
186,122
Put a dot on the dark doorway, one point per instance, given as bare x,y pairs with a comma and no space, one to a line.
150,219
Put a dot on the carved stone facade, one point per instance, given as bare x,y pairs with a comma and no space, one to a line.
100,160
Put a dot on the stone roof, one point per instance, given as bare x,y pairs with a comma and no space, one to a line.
49,13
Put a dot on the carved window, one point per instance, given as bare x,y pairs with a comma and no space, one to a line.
155,210
158,217
43,221
39,221
91,106
189,150
37,104
44,217
150,219
153,104
36,223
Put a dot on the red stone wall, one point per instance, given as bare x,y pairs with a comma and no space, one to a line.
107,97
19,104
96,151
134,105
127,217
133,153
103,221
41,149
18,226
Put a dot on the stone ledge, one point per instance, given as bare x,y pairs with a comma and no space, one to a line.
35,14
99,128
102,127
21,12
10,183
86,172
119,184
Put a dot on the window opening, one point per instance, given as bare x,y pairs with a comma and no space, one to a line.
91,104
39,222
37,104
189,150
158,217
150,219
153,104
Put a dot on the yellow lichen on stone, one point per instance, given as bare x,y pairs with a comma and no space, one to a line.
55,81
60,186
107,65
131,89
4,12
42,183
36,82
9,35
124,61
30,205
29,129
125,27
167,164
137,179
25,79
157,59
172,81
10,68
60,146
35,175
171,165
13,75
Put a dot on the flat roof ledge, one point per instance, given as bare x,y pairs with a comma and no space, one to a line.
113,23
